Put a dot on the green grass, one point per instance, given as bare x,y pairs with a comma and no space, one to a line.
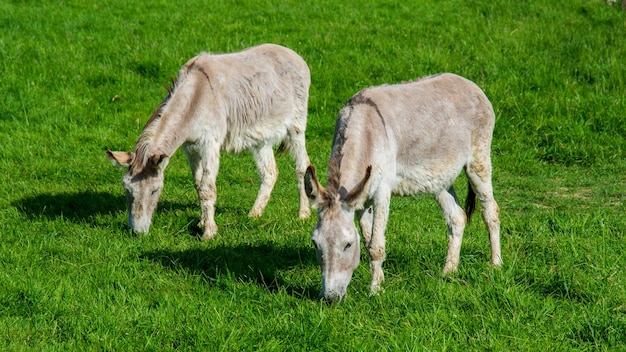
78,78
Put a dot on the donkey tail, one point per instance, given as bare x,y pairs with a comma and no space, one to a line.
283,148
470,202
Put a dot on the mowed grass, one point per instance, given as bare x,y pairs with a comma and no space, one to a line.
81,77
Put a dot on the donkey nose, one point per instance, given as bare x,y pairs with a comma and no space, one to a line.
139,227
332,296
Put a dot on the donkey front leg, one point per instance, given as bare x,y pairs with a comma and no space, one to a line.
455,219
376,246
205,168
366,218
268,173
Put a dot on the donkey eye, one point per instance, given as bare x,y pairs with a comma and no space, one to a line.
348,245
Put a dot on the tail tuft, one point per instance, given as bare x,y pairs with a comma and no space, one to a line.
470,202
282,148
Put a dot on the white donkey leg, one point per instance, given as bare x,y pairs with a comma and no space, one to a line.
376,247
297,147
455,219
205,168
268,173
479,175
366,217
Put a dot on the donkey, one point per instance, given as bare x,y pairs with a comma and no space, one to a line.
249,100
405,139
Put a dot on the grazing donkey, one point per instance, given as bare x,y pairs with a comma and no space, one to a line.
406,139
252,100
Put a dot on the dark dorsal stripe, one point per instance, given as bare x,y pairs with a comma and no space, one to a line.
359,98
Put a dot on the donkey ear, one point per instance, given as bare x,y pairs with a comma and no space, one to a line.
159,161
356,196
121,159
312,187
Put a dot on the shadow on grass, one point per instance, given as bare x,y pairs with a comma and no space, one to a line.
77,207
266,265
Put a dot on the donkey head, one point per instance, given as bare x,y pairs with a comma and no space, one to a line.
143,182
335,236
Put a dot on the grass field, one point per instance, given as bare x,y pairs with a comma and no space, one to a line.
80,77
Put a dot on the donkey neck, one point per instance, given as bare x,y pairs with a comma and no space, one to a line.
160,136
349,161
170,134
173,122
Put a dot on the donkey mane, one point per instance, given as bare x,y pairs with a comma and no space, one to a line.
143,143
334,187
334,166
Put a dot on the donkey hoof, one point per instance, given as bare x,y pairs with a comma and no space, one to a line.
209,232
376,290
304,213
255,213
208,235
449,270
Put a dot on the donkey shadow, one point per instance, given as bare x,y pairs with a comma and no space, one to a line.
258,264
77,207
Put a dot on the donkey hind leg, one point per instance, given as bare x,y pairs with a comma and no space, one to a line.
376,245
455,219
268,173
204,172
366,217
296,144
479,175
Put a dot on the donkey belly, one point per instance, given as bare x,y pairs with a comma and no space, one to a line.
271,131
426,179
250,140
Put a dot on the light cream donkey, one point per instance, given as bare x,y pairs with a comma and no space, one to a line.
406,139
252,100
